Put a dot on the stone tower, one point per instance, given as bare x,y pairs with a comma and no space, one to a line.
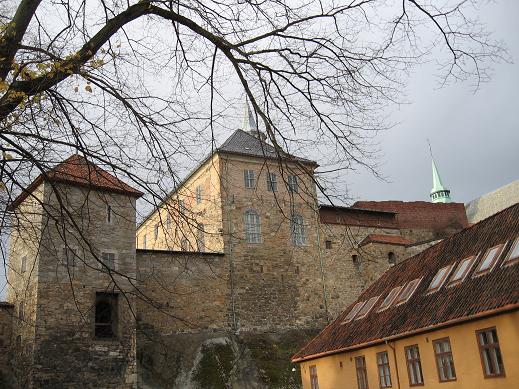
72,259
439,194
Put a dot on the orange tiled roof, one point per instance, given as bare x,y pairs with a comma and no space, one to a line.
488,294
387,239
77,170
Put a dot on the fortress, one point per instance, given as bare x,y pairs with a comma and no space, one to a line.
239,257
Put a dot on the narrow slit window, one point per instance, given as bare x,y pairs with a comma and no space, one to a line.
461,271
390,298
489,260
198,194
328,244
109,214
513,254
408,291
490,351
384,373
439,278
414,365
444,360
23,267
156,231
200,240
362,374
367,308
168,221
144,242
350,316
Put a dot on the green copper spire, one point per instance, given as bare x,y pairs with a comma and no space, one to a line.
439,194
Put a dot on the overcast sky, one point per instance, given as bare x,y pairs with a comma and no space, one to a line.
475,137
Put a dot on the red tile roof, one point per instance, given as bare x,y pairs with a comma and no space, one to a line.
386,239
78,171
494,292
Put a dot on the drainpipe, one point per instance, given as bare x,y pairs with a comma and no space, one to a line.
231,260
396,363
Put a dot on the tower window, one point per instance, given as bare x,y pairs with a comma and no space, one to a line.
248,176
21,311
292,184
328,244
69,256
23,268
272,183
252,227
298,230
355,259
108,259
106,315
109,214
199,194
391,258
156,231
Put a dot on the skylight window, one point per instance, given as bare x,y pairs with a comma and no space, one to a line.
408,291
390,298
489,260
353,312
462,270
513,254
367,307
440,278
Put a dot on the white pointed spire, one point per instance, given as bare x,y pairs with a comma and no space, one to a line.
249,123
439,194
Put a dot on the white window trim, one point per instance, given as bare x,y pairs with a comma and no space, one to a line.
451,282
259,233
399,289
375,300
509,260
64,258
481,259
412,291
447,275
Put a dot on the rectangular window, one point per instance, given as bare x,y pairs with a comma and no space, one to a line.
248,177
298,230
490,352
488,260
390,298
513,254
198,194
367,307
23,268
292,184
328,244
384,374
144,242
156,231
168,221
444,359
461,271
200,240
272,183
181,207
21,311
440,278
349,317
108,259
252,227
314,382
408,291
414,365
69,256
184,244
109,214
106,315
362,374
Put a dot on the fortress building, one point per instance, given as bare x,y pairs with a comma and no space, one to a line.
239,261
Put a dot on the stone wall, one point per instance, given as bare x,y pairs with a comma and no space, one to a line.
492,202
6,321
64,351
182,292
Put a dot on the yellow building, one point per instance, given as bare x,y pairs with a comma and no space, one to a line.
445,318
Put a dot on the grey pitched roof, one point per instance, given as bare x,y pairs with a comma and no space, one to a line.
239,143
244,143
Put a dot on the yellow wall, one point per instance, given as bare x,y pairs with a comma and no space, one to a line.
465,351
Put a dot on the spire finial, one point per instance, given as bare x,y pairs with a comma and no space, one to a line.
249,123
439,194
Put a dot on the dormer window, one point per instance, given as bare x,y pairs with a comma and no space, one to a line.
462,270
439,278
407,292
488,260
367,307
349,317
390,298
109,214
513,254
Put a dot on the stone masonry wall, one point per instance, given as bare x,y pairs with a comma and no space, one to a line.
66,351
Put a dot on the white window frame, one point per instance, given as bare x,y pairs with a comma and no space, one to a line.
249,179
495,259
272,182
298,235
395,291
252,227
64,257
442,280
452,281
417,282
292,184
353,312
509,260
366,308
